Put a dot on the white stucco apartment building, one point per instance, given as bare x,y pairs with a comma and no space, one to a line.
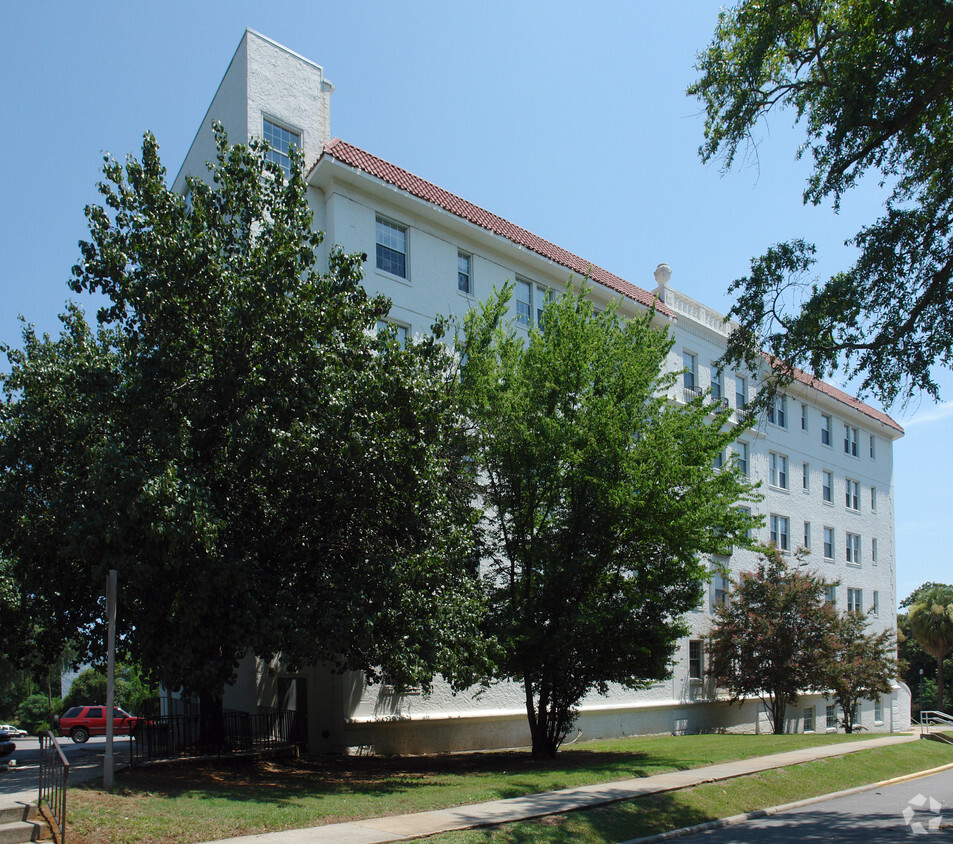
825,459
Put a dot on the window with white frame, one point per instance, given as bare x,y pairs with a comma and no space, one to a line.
873,447
741,392
781,533
807,535
825,429
808,719
855,716
850,440
855,600
715,383
777,411
524,302
719,460
828,543
879,710
873,499
464,272
831,713
402,332
541,295
830,594
873,550
805,476
690,375
803,416
747,512
741,457
695,658
875,603
778,465
531,298
851,494
720,586
827,486
391,248
280,140
852,546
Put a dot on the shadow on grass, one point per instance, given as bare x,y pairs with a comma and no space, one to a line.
517,774
480,776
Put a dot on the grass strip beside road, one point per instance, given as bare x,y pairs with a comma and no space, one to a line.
702,803
187,802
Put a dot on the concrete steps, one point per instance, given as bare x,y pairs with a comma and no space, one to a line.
21,823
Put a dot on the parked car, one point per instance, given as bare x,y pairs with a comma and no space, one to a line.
6,748
81,722
13,732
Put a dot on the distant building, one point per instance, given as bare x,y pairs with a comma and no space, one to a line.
68,676
825,458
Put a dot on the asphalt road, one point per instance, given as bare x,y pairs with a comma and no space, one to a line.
918,810
86,762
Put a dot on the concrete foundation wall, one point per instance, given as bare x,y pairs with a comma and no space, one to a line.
435,733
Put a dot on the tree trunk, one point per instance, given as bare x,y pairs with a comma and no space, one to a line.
542,722
778,711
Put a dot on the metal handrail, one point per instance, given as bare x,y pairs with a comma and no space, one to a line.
54,771
933,717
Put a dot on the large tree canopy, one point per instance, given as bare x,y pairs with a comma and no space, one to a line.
600,495
871,83
264,468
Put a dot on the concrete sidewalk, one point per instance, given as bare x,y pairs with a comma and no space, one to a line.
401,827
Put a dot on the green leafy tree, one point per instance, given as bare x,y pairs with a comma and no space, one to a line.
859,666
772,636
31,654
599,496
131,690
916,667
266,471
35,712
930,620
871,84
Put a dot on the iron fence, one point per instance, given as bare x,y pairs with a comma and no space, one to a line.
54,771
229,733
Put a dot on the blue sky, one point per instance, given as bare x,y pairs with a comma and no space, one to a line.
569,119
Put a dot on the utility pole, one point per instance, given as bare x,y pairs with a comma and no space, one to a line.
109,762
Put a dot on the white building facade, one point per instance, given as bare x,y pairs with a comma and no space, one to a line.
824,458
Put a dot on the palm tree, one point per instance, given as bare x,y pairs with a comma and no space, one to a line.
931,622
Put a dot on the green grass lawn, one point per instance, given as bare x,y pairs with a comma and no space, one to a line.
690,806
198,802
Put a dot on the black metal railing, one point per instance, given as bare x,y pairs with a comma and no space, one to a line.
177,736
54,771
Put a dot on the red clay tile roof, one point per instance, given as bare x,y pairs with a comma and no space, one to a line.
841,396
353,156
422,189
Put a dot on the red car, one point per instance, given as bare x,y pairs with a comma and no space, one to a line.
81,722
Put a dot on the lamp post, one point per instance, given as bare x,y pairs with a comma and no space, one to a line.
921,701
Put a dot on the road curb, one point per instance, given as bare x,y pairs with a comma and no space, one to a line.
784,807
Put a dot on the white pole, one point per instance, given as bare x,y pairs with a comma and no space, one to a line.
109,760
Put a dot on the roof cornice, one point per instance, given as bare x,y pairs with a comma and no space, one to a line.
358,159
